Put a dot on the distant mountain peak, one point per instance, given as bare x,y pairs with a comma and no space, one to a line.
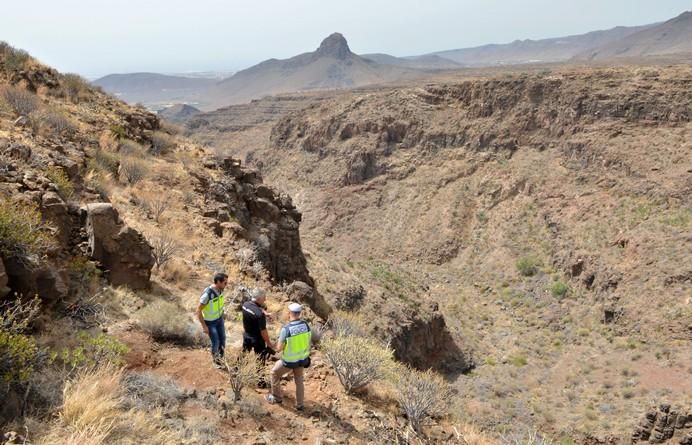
334,46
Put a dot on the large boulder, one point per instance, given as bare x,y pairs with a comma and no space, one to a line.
122,251
306,294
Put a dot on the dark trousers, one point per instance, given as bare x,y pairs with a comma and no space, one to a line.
217,335
258,345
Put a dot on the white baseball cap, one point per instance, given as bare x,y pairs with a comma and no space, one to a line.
295,307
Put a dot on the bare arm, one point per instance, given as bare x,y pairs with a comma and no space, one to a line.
201,319
267,341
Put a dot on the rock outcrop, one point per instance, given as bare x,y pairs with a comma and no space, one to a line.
662,424
240,205
121,250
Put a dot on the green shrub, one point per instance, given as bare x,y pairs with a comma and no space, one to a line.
17,355
92,352
58,177
18,352
559,289
20,228
528,265
519,360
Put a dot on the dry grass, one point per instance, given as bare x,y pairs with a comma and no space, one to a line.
166,322
132,169
244,371
21,101
92,414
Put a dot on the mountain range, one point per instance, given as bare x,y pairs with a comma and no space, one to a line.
334,66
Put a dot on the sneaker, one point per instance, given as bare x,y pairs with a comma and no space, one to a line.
218,363
300,408
272,400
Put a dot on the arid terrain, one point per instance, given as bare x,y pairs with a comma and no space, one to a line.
504,252
546,214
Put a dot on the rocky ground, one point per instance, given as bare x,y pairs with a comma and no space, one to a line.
544,215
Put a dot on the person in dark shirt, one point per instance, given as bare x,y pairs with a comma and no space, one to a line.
255,336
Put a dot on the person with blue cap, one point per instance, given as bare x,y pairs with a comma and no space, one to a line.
294,342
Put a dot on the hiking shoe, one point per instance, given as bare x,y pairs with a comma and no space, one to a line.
272,400
300,408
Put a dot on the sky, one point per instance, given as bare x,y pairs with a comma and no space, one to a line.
98,37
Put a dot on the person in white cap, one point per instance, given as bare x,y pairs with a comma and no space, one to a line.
294,343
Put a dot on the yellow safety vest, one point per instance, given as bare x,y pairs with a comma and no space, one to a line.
213,310
297,346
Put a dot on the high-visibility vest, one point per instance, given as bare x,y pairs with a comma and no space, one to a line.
213,310
297,345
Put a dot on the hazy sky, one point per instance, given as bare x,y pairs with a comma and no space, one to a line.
96,37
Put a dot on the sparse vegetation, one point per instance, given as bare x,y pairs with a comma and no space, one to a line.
164,248
21,228
132,170
74,87
13,59
93,413
343,324
92,352
18,351
147,391
21,101
166,322
528,265
559,289
161,143
128,147
357,361
50,122
421,394
58,177
244,371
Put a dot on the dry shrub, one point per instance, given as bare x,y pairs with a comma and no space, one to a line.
161,143
21,229
250,263
176,271
528,437
104,161
171,128
344,324
164,248
108,141
357,361
131,148
48,122
93,413
101,183
158,206
13,59
421,394
147,391
21,101
166,322
244,371
132,170
74,87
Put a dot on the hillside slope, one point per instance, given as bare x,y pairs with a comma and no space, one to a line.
669,38
547,216
558,49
